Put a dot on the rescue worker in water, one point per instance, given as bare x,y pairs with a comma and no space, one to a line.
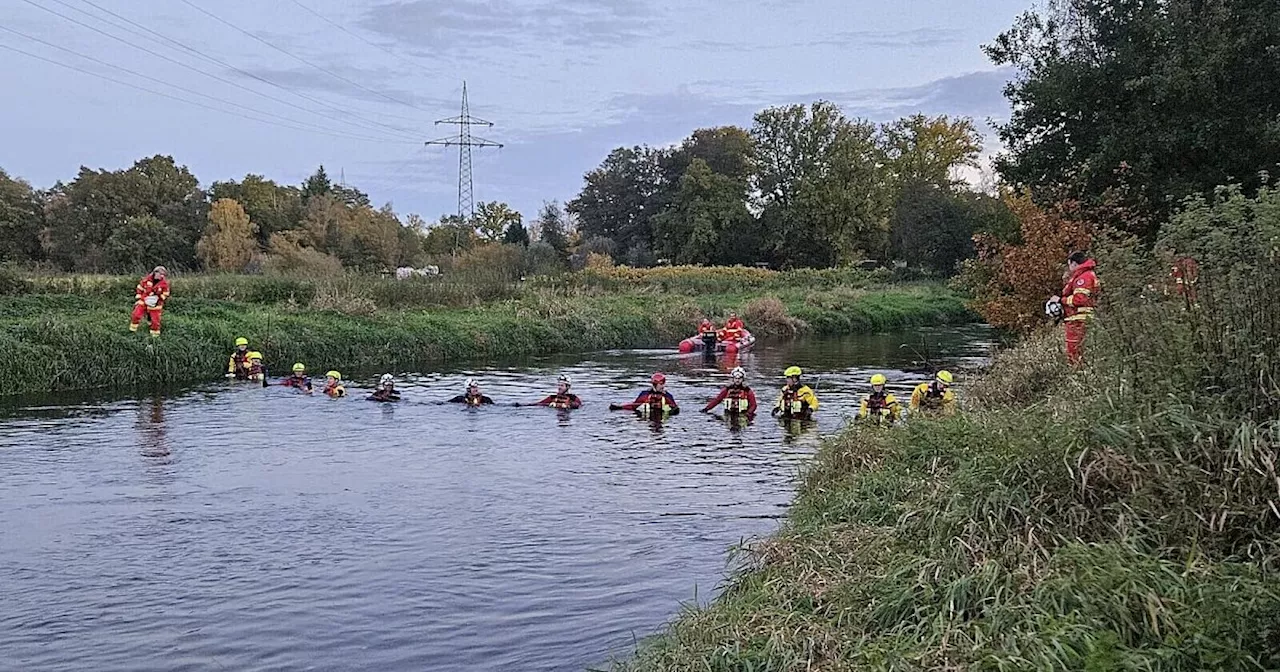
149,297
563,398
386,389
797,401
653,402
299,381
879,407
935,397
238,364
333,385
472,396
738,399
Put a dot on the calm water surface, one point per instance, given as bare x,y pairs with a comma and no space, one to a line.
234,528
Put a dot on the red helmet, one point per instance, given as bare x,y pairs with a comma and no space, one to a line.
658,378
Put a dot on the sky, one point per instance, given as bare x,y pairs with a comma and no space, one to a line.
230,87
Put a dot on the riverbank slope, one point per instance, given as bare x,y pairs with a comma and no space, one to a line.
71,333
1125,516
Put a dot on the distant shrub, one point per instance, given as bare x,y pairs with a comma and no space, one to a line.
12,284
287,257
768,315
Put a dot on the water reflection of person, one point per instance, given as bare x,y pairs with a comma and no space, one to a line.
151,428
793,429
736,422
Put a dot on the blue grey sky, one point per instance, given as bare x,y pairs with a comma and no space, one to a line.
355,85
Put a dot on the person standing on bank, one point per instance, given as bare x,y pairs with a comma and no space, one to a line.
1079,297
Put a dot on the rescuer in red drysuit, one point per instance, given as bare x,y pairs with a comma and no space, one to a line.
149,297
738,399
1079,297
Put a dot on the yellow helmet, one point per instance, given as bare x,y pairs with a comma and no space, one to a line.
299,368
334,375
254,354
878,379
945,376
242,341
792,371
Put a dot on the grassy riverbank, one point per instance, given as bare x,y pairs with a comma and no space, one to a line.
1122,517
70,332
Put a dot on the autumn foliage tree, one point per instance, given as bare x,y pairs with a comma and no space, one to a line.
229,239
1010,282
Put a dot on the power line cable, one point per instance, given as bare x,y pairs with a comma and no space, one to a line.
399,132
298,58
173,97
219,62
356,35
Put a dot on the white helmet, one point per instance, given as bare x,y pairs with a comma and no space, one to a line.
471,382
564,378
386,380
1053,309
738,372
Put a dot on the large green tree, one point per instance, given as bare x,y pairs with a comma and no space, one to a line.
21,218
1143,101
928,150
83,214
272,207
822,196
493,219
621,196
708,221
552,228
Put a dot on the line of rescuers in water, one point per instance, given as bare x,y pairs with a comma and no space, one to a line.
796,401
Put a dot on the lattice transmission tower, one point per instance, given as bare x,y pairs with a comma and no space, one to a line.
464,140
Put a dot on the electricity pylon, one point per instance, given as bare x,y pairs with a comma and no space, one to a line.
464,141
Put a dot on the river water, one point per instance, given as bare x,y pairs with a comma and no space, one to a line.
228,527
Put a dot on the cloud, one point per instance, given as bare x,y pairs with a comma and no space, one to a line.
376,85
459,23
916,38
976,94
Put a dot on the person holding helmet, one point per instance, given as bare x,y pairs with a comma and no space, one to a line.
563,398
386,389
257,370
797,401
879,407
299,380
653,402
333,385
472,396
935,397
1078,299
738,399
238,365
149,297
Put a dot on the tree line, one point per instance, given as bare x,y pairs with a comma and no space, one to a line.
805,186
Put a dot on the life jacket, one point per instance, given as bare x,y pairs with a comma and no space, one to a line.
561,401
792,404
933,397
736,401
335,391
294,381
707,329
877,402
383,394
256,371
476,400
240,362
654,404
